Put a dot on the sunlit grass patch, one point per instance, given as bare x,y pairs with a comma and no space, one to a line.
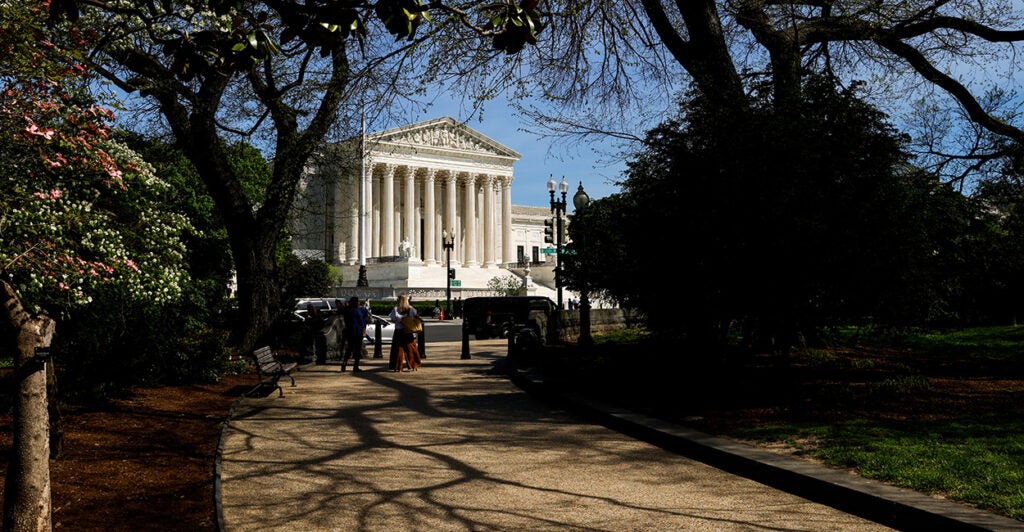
978,461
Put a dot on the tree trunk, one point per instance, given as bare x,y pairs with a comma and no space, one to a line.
258,292
254,225
27,486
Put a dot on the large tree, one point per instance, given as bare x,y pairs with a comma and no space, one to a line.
291,69
947,68
279,71
782,220
77,212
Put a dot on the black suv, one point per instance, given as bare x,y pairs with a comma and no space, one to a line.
491,317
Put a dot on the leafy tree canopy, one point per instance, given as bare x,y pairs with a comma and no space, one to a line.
784,218
79,209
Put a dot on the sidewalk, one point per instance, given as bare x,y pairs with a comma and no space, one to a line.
457,445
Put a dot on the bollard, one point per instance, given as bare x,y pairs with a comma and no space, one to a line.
377,342
465,342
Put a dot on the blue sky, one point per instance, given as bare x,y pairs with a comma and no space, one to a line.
594,164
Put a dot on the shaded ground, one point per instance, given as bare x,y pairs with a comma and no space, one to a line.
826,385
147,462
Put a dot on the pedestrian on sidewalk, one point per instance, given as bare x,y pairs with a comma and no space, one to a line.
405,354
356,317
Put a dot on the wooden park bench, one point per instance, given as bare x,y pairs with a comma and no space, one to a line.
269,370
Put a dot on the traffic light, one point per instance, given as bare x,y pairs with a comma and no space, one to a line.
451,273
549,231
565,232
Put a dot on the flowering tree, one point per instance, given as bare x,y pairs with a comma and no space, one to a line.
77,210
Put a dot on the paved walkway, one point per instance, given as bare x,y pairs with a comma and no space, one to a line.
457,445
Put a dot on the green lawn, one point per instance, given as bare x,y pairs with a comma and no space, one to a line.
939,412
977,459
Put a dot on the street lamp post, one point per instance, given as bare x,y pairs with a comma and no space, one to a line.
448,241
558,209
580,200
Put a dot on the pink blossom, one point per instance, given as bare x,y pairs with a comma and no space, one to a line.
131,264
57,162
33,129
53,194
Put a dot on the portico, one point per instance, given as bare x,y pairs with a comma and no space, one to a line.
388,209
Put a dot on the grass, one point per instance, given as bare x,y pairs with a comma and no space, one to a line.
873,404
978,461
989,342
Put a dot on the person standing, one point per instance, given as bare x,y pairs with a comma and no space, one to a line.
356,317
404,351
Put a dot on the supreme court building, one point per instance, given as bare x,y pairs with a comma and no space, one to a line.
386,215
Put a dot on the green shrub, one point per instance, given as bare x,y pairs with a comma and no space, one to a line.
114,344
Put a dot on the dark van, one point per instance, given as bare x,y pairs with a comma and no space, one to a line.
496,317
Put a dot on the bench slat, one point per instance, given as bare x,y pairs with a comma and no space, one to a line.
269,369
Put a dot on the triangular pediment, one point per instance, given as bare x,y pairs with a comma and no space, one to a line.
443,135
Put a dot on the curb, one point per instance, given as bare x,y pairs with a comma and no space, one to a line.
217,500
888,505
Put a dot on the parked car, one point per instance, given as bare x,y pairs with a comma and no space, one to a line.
490,317
323,304
327,306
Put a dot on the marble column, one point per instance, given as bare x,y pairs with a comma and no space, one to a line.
352,242
508,252
409,210
369,231
487,185
451,190
429,253
387,211
469,221
377,189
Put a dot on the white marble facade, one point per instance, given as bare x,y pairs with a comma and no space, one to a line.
414,184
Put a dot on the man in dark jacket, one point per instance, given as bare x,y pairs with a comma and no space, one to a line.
355,317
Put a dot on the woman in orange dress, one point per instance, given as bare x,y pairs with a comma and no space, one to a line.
405,354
